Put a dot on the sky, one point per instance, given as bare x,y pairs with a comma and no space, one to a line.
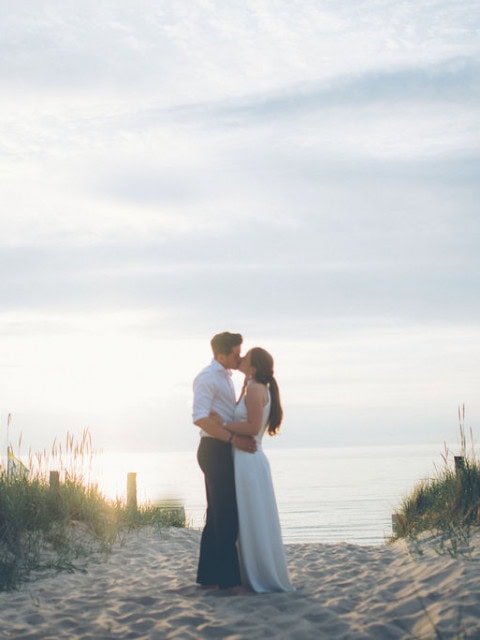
304,173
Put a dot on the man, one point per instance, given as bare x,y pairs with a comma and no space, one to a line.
213,392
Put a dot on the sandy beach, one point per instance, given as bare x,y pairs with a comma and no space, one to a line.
145,589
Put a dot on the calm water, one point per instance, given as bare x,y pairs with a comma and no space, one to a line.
323,495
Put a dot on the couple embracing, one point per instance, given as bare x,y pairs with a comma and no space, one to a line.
241,548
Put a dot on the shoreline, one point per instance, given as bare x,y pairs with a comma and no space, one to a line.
146,589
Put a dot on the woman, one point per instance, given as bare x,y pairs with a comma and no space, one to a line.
263,564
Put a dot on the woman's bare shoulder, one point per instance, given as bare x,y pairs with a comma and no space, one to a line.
256,390
255,387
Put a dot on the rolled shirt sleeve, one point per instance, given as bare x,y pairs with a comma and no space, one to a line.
203,396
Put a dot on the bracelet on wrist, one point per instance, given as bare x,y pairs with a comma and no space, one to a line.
232,435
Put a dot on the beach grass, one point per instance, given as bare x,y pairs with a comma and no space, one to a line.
447,506
46,527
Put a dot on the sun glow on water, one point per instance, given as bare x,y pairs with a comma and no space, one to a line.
160,476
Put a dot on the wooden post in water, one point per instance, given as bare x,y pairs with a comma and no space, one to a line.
459,464
132,491
54,481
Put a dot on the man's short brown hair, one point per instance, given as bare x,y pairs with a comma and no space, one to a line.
225,342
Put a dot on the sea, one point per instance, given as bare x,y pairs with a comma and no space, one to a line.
328,495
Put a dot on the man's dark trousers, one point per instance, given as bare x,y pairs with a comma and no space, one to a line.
218,563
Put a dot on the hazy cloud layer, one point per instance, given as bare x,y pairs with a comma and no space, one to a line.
300,171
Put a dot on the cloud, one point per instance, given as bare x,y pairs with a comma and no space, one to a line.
270,276
197,49
456,81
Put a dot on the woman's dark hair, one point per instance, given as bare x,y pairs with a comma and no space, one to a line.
224,342
263,363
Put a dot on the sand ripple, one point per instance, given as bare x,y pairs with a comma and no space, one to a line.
146,589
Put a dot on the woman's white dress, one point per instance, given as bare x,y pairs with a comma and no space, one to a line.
263,565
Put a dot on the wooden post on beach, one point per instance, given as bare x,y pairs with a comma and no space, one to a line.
395,523
54,481
132,491
459,464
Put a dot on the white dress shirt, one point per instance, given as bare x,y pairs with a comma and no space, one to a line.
213,390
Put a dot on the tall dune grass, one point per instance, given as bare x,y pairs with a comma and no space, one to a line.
56,529
447,505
